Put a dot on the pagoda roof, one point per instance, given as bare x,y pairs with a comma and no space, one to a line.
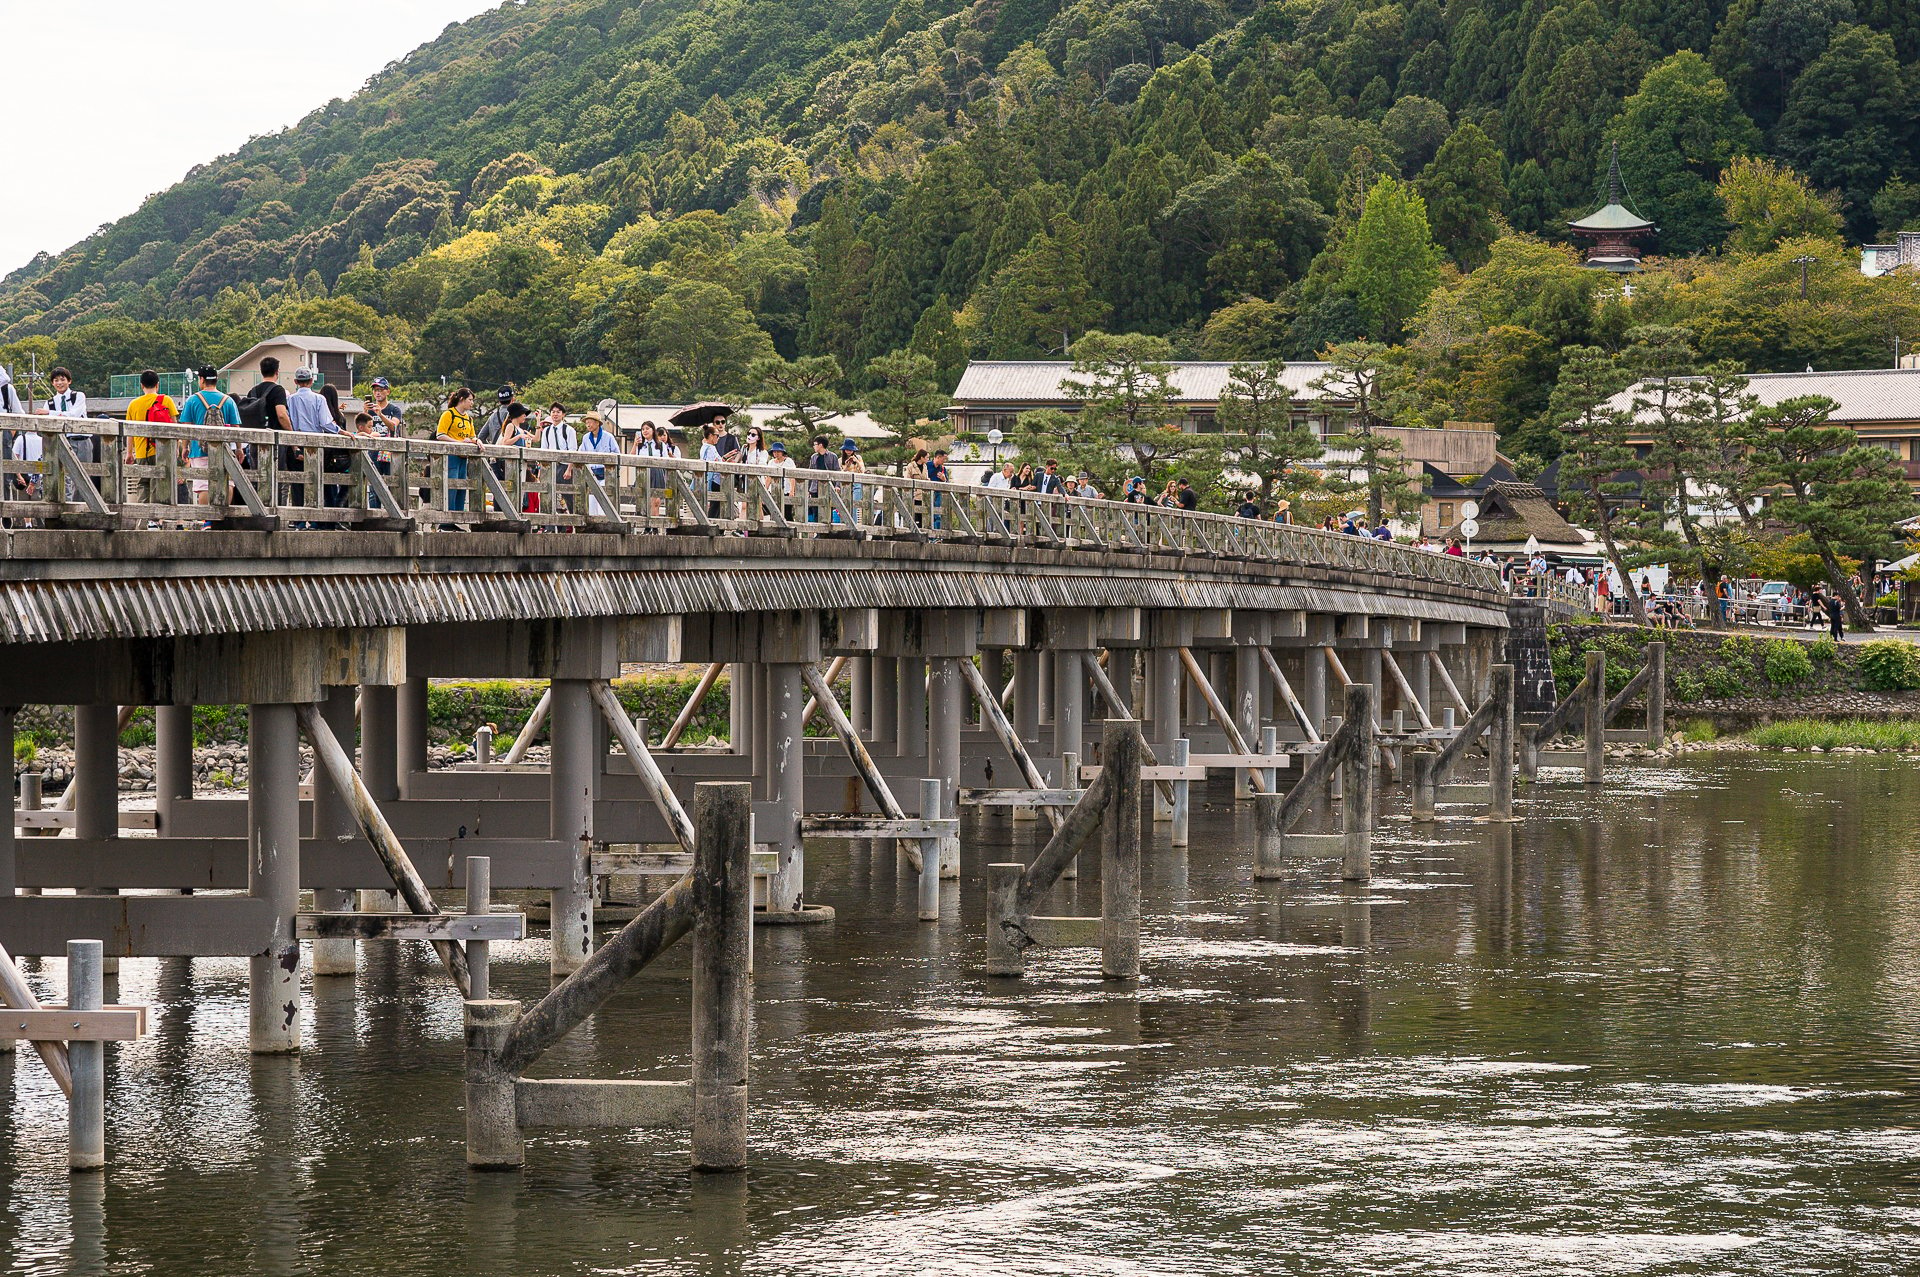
1612,217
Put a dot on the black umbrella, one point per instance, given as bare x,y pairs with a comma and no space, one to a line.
699,414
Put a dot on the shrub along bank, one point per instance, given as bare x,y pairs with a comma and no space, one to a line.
1751,675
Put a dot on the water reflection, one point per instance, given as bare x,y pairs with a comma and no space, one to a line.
1671,1026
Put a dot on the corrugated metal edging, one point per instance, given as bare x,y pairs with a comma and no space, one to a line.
66,611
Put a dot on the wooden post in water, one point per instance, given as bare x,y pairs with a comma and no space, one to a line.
1120,750
930,866
1269,847
479,905
87,1104
1421,775
273,834
1656,695
1182,795
722,983
1357,807
493,1121
1004,956
1596,751
1500,746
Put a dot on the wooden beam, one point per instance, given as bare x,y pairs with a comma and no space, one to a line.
649,772
408,926
707,679
1220,715
50,1023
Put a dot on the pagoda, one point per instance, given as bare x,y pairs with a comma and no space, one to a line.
1613,228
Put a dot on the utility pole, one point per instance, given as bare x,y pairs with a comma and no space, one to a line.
1803,261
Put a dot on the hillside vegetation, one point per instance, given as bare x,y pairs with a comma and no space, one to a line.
671,198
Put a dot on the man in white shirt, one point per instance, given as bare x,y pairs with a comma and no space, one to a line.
1004,479
68,402
557,436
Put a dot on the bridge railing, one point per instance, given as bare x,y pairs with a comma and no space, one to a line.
71,472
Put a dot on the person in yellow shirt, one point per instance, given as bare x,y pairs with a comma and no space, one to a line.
456,426
150,406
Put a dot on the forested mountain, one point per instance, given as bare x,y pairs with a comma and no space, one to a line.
654,197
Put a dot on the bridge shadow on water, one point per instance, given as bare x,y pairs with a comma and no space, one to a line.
1668,1027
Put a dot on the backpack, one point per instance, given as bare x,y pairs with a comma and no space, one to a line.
160,410
253,408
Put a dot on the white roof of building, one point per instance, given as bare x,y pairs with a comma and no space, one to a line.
1863,395
310,345
849,425
1030,381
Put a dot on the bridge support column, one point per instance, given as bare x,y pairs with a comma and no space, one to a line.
740,707
787,776
1164,680
1069,710
273,875
8,835
946,713
572,776
1313,687
410,735
1247,678
886,704
379,761
333,819
911,707
1026,696
172,760
380,769
860,695
96,785
1419,672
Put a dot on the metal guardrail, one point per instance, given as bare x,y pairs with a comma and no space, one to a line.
276,479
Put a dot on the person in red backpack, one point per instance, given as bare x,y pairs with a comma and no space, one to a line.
150,406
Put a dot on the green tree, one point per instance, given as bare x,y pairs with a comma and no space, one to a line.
1768,202
1896,208
1256,412
1675,136
1360,382
1464,194
906,391
1598,477
1041,299
703,341
1256,224
1391,261
1699,473
938,338
586,384
805,387
1128,423
1841,493
837,280
1251,328
1849,119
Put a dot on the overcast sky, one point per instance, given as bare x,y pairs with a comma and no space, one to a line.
107,101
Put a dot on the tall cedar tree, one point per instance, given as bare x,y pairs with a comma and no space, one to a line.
1465,193
1598,479
1392,263
1361,376
1843,494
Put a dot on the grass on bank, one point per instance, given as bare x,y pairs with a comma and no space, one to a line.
1858,733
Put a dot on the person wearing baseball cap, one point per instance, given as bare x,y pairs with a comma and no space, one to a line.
387,419
489,431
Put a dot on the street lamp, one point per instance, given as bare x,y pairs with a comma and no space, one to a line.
995,438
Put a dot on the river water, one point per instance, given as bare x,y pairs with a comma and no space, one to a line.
1669,1027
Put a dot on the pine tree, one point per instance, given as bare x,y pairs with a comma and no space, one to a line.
905,393
1361,377
1256,414
805,387
1128,423
1843,494
1598,479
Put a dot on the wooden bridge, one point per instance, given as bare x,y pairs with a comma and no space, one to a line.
986,640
